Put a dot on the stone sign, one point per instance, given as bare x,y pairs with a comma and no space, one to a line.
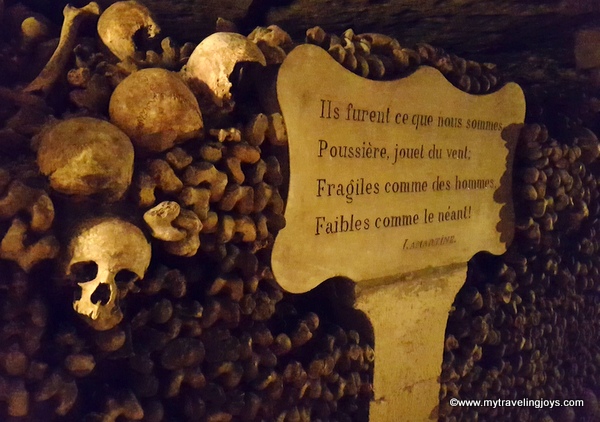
389,177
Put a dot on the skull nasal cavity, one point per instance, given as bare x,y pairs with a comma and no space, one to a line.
101,294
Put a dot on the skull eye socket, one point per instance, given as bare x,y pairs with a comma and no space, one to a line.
125,277
84,271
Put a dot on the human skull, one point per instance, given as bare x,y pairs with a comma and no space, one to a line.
213,61
156,109
120,23
85,156
104,254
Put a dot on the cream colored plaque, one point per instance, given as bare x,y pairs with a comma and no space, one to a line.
388,178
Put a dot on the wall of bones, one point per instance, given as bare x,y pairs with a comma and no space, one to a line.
143,181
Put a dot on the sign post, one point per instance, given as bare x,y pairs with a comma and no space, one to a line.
395,185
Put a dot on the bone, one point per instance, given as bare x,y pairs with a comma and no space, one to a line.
22,98
246,227
234,169
274,55
160,220
73,154
233,286
262,196
211,152
245,153
33,30
226,135
239,197
125,404
199,173
112,245
197,199
175,116
210,224
64,391
178,158
171,280
239,261
276,133
170,54
181,353
164,176
213,61
13,247
119,24
316,35
256,129
273,36
273,174
17,398
188,221
262,231
256,172
111,340
57,64
94,97
79,77
35,202
80,365
144,187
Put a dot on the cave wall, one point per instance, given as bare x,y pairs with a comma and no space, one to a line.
477,29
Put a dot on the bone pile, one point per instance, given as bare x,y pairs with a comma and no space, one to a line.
524,324
142,184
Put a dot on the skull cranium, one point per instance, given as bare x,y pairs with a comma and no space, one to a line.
104,253
213,61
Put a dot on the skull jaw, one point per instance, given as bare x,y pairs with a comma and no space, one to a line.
105,320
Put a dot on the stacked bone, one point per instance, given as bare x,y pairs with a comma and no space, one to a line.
243,355
200,167
522,325
227,181
379,57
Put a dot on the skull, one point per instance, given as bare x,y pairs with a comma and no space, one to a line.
156,109
86,156
105,257
119,24
213,61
